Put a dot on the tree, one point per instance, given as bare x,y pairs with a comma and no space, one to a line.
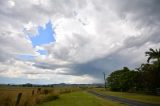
153,54
122,80
114,80
148,78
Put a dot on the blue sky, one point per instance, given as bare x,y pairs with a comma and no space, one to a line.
25,57
44,36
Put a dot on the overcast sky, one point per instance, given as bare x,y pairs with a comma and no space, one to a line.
74,41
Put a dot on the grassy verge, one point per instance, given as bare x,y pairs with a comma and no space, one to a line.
80,98
133,96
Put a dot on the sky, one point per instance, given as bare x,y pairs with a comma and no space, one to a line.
74,41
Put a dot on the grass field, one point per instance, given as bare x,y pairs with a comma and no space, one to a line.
80,98
132,96
8,95
65,96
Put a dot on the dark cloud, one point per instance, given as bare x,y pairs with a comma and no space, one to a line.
106,64
96,67
144,15
47,66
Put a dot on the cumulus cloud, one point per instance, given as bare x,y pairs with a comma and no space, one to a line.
92,36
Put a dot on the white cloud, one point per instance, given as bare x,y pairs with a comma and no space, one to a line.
11,3
84,79
30,29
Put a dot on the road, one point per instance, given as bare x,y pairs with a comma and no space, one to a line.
122,100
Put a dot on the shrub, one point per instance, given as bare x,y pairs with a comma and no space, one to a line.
51,97
47,91
45,98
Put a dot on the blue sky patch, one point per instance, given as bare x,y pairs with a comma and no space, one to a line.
44,36
42,52
26,57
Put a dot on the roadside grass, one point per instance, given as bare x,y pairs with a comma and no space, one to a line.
80,98
132,96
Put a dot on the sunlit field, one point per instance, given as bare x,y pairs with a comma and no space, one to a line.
50,96
81,98
68,96
31,96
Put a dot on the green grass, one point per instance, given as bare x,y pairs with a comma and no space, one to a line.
80,99
133,96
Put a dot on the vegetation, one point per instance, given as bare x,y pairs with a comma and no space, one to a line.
80,99
132,96
48,96
122,80
146,78
153,54
31,96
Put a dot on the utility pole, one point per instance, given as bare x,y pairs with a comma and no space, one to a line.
104,80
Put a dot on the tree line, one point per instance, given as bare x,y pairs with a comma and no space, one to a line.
144,78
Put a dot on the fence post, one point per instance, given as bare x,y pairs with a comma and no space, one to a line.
38,90
18,99
32,92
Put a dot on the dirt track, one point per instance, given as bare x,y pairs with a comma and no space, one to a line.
122,100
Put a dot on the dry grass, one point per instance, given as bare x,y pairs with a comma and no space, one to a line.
9,95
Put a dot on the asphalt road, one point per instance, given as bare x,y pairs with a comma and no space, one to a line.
122,100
